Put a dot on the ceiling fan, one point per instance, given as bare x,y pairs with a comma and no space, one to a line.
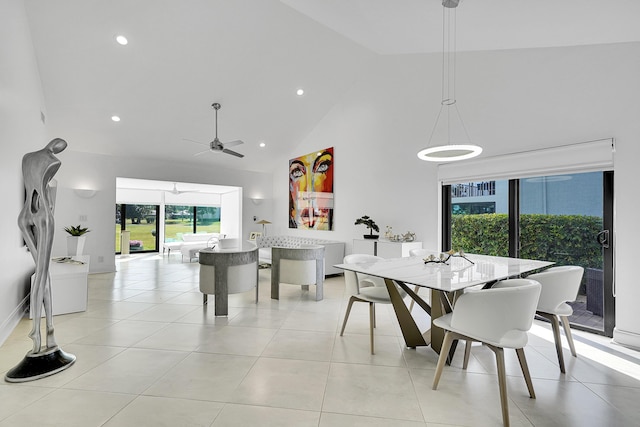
175,190
216,145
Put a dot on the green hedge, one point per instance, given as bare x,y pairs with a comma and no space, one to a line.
564,239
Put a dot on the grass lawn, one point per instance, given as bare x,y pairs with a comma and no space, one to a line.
173,228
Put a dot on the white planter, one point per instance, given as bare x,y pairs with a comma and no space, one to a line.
75,245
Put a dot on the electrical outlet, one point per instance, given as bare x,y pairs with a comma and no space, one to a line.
101,259
82,218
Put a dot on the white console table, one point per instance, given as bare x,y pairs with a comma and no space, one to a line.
68,286
384,248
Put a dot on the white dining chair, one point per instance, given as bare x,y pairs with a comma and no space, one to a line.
559,285
364,288
499,317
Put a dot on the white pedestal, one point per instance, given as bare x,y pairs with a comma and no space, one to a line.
68,286
125,237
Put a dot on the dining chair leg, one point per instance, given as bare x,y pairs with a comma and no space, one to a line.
444,352
257,287
373,307
346,315
555,327
502,383
372,322
525,371
567,332
467,353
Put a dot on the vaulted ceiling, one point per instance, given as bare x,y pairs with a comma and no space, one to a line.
251,56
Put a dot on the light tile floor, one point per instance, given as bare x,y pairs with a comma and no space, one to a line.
149,354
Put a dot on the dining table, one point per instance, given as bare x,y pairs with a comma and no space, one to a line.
446,275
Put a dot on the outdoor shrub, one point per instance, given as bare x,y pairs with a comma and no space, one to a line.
564,239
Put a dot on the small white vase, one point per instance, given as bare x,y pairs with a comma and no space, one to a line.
75,245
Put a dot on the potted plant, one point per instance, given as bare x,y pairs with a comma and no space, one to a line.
370,224
76,239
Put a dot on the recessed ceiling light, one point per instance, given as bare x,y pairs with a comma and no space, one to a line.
115,118
300,92
122,40
262,144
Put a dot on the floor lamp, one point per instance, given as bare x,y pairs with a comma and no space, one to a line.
264,223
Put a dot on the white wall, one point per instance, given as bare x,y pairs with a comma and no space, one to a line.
230,226
510,101
376,130
21,131
99,172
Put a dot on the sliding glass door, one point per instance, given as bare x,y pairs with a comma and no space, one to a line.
480,217
179,219
207,219
567,219
142,223
561,219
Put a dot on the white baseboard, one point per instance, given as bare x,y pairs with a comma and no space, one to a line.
626,338
9,324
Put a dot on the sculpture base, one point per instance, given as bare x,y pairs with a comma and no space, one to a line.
39,365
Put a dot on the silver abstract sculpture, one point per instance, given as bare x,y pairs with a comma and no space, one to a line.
37,225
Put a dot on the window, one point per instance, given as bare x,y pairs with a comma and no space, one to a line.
558,218
207,219
478,210
141,222
180,219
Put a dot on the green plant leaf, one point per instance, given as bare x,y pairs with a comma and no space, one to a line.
76,230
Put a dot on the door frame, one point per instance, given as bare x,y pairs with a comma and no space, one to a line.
514,213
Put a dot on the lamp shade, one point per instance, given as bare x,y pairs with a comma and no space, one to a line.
264,223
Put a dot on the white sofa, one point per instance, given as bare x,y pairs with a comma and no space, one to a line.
333,253
191,243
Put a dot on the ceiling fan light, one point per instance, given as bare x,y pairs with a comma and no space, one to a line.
449,153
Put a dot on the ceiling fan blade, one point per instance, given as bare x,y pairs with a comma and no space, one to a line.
233,153
233,143
196,142
216,146
201,152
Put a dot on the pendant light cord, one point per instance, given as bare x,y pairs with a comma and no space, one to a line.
444,56
449,63
448,56
216,123
449,151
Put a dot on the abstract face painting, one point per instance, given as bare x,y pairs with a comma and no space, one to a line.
311,191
